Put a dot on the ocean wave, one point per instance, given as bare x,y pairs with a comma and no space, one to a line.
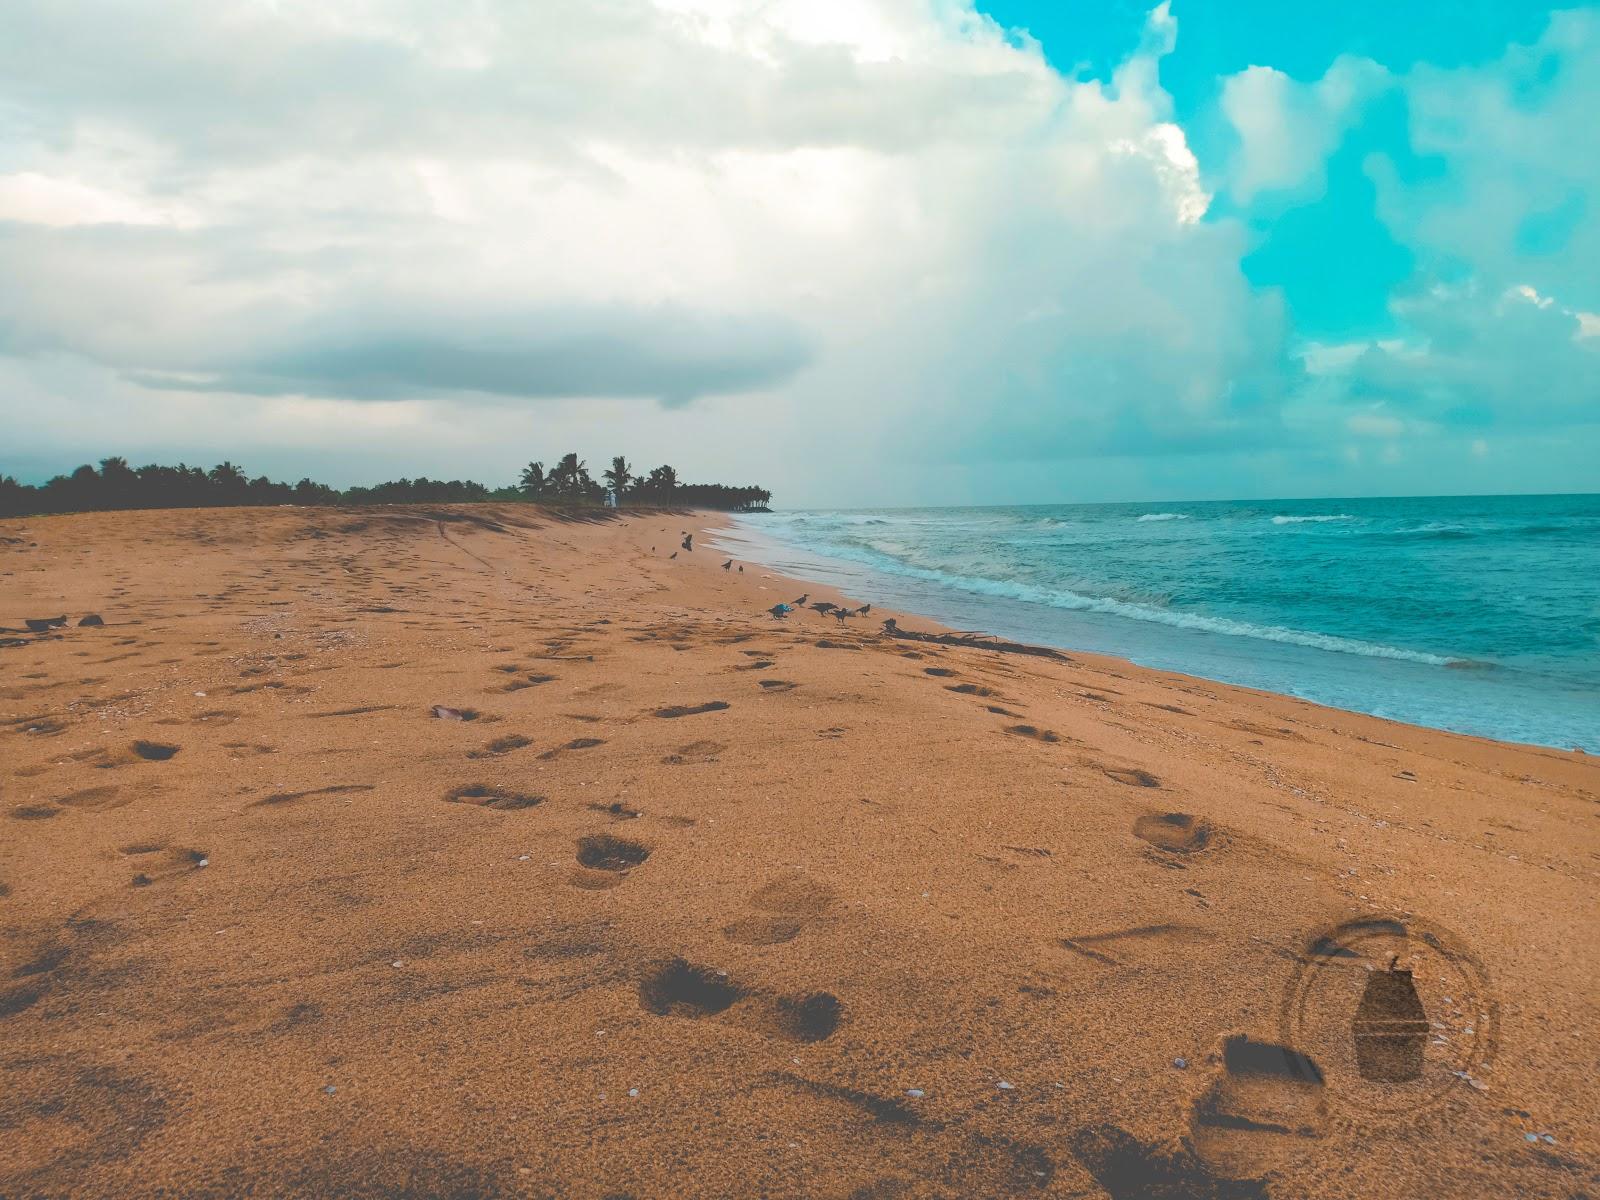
1434,529
1073,601
1316,518
1164,516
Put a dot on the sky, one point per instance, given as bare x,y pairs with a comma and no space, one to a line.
862,252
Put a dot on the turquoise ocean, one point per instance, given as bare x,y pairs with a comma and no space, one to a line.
1475,614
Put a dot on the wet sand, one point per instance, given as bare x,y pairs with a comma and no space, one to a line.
670,898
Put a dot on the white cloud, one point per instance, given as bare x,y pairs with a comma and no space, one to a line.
840,213
35,199
1287,130
881,231
1513,137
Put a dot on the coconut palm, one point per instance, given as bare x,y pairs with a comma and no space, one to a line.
619,476
569,478
663,481
533,483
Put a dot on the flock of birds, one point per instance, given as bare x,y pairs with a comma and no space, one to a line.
781,611
825,608
842,614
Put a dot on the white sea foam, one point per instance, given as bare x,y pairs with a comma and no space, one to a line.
1063,598
1316,517
1164,516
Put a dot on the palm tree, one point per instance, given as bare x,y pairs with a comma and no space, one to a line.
533,483
619,476
228,483
564,476
662,483
570,477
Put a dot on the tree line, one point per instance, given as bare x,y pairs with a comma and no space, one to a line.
569,482
116,485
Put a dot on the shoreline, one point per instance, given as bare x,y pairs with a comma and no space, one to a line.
712,521
480,850
1357,681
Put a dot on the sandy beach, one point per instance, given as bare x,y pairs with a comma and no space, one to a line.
472,851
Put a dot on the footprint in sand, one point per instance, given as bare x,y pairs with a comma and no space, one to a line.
1128,1169
498,799
785,907
95,799
604,861
938,672
682,989
1175,832
813,1018
602,852
1132,776
1032,731
1263,1104
971,689
778,685
692,710
501,745
154,751
583,743
34,812
695,752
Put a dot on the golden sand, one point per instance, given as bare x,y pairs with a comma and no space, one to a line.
670,898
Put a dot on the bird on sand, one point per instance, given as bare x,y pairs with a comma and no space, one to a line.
841,613
688,541
780,611
674,554
801,603
728,566
823,607
863,610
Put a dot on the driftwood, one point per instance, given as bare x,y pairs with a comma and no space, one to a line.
978,641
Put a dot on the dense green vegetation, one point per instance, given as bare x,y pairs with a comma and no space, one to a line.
569,482
116,486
